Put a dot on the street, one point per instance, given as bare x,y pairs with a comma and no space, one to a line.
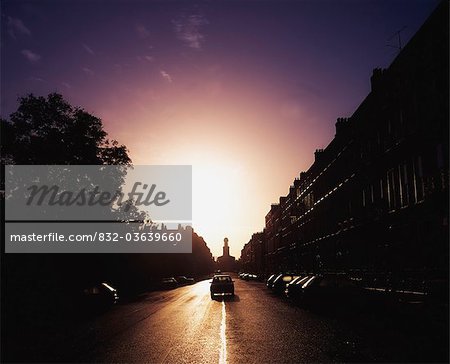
185,326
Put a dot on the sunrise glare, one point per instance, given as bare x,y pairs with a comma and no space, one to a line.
246,107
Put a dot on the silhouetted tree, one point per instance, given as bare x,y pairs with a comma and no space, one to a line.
51,131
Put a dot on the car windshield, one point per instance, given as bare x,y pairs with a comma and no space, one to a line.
302,280
296,279
277,278
108,286
222,279
309,281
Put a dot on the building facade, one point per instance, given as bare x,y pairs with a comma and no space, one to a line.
376,198
253,254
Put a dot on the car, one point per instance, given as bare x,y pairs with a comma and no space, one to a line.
221,284
99,296
294,288
279,284
270,280
168,283
336,291
183,280
249,277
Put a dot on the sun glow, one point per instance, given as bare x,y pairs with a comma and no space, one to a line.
216,194
219,190
217,183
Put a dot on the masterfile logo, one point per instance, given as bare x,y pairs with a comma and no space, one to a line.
162,193
53,196
98,209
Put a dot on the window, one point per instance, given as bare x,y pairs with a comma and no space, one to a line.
418,185
364,197
309,200
372,197
404,184
391,189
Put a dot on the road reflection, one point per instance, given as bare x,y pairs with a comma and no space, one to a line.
200,289
223,338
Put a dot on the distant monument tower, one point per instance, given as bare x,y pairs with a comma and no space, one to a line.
226,248
226,262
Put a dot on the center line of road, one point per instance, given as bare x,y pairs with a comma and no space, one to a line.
223,339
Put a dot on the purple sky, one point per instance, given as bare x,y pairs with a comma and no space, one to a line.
242,90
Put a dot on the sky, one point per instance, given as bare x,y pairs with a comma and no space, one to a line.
244,91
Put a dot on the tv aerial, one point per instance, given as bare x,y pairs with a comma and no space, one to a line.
398,36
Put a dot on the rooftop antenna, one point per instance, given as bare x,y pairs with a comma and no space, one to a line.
398,35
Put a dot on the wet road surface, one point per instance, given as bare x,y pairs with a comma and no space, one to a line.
185,326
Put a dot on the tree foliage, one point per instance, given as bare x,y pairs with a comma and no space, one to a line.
51,131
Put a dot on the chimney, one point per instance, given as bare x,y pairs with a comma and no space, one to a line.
317,154
377,78
341,125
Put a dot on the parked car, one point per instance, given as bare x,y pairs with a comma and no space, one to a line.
99,296
330,290
279,284
294,288
250,277
222,284
270,280
168,283
183,280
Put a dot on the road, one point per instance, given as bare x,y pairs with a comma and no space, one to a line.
185,326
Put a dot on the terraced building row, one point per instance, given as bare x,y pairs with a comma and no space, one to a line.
375,200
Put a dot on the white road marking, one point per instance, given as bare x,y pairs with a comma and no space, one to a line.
223,338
